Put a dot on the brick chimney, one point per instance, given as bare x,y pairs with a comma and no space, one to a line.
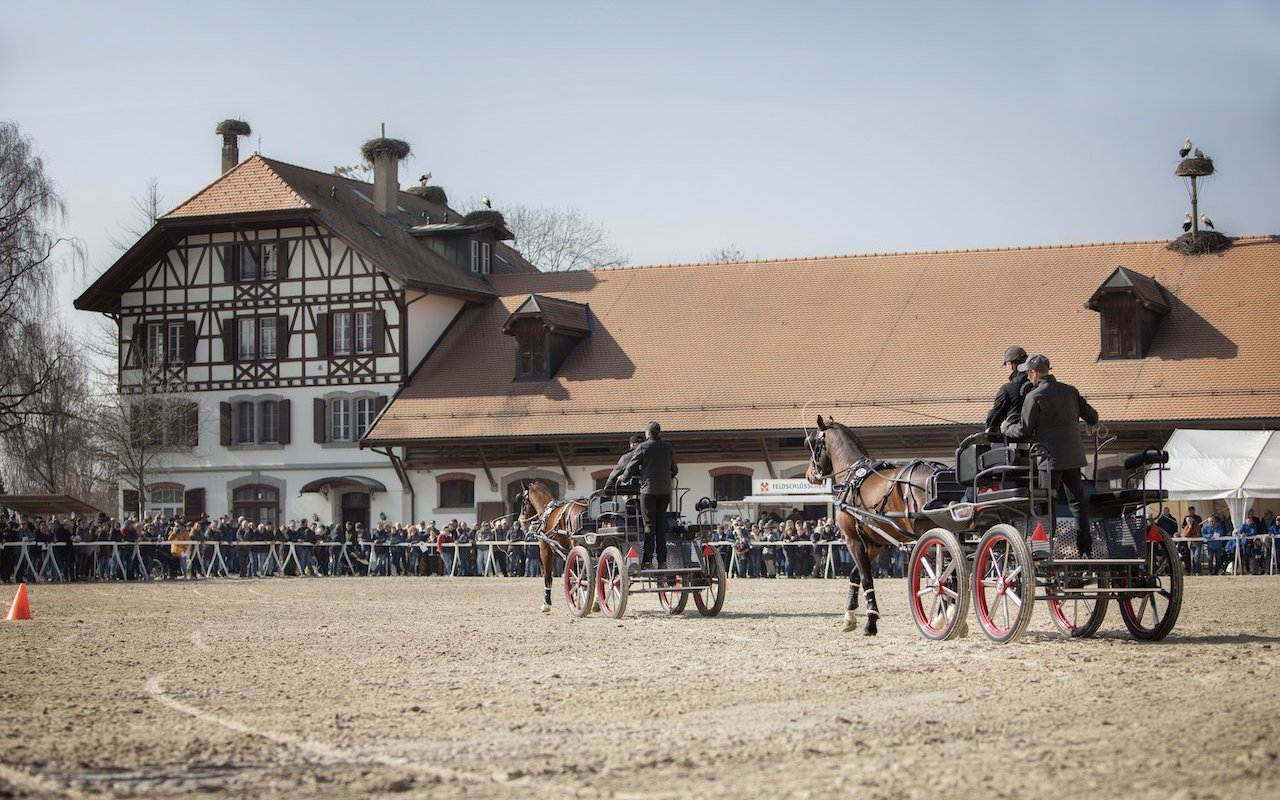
385,155
231,130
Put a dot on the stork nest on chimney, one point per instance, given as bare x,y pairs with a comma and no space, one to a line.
233,127
1194,166
484,215
396,148
432,194
1200,244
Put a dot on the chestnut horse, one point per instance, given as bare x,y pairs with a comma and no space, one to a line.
543,516
882,488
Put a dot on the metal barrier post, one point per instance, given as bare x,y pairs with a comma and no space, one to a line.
48,560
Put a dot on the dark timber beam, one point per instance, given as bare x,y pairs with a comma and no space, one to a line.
484,462
564,467
768,462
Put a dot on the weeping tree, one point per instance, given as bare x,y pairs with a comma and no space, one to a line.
31,256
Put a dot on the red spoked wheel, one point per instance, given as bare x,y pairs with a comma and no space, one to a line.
937,579
673,599
613,584
710,598
579,583
1077,616
1151,611
1003,584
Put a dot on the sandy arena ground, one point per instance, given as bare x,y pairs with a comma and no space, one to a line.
460,688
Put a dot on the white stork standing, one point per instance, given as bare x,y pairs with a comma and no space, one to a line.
484,201
1186,148
1205,221
1186,223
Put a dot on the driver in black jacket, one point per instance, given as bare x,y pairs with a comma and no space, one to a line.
654,466
1008,403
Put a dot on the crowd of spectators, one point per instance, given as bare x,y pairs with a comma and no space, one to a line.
77,548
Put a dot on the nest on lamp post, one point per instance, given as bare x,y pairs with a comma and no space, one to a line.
233,127
432,194
1194,167
484,215
396,148
1200,243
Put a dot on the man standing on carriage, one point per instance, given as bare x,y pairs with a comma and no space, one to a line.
1008,403
1049,419
654,466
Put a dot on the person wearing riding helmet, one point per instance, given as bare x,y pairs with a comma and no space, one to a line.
611,483
1008,402
654,466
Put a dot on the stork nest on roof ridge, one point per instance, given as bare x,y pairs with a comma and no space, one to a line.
432,194
1194,167
396,148
233,127
1200,244
483,215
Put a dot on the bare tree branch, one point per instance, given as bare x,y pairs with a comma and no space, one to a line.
557,239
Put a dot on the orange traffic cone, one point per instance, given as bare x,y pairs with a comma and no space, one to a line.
21,609
633,560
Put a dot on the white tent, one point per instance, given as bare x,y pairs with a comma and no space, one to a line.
1235,466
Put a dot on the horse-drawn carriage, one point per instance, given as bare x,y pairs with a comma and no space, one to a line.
982,534
599,538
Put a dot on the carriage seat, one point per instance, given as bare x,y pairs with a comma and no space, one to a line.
945,489
1000,462
1117,499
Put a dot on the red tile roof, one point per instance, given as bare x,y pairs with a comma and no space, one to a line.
902,339
251,186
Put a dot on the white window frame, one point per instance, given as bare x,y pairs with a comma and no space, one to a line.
247,270
168,502
174,344
267,335
340,419
246,422
486,253
156,340
475,256
247,345
269,422
269,260
363,415
364,332
342,334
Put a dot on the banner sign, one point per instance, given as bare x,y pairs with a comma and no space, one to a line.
791,486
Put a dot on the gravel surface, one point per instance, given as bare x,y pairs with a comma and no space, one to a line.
342,688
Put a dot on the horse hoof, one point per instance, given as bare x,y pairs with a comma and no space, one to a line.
869,632
546,607
850,621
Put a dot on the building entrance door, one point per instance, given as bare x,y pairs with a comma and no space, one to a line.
355,508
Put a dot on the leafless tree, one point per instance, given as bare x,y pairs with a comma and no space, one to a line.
148,206
730,252
557,239
355,172
30,257
139,426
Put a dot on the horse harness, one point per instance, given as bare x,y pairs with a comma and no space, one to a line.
847,495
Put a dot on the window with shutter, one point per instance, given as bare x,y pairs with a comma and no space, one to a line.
246,339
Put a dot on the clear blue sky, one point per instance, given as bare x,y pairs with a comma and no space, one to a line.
790,129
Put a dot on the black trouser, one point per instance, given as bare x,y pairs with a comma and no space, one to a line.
653,508
1070,484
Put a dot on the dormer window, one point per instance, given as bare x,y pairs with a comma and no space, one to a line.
1131,306
546,330
480,257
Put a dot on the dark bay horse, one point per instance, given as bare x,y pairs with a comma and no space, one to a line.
540,513
879,487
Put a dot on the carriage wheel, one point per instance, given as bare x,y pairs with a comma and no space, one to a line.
1077,616
937,579
1003,584
710,598
579,585
1150,616
673,600
612,583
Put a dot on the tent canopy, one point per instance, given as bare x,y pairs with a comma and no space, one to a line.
1235,466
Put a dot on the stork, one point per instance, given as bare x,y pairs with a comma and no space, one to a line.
1186,223
1186,148
484,201
425,178
1199,153
1205,221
